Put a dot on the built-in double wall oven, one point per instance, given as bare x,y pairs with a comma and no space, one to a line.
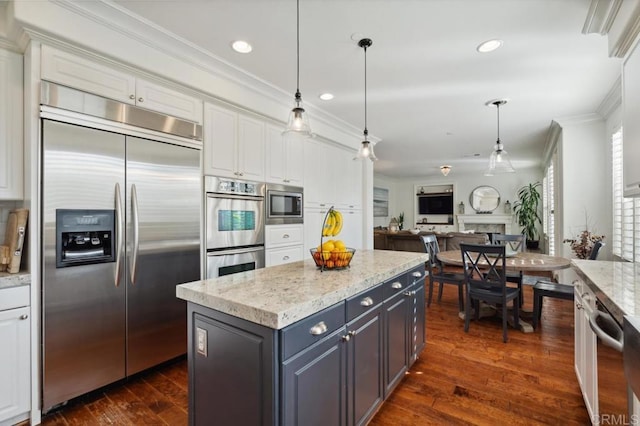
234,222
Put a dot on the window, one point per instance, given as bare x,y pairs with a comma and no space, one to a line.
626,211
548,206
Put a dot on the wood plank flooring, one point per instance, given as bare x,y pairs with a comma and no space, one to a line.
460,379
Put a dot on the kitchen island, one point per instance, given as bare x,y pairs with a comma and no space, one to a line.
290,344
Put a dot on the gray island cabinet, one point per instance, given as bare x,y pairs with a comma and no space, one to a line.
290,345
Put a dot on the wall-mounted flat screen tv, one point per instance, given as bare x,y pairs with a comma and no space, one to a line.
435,204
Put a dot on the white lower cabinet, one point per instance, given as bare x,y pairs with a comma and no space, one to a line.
585,347
15,357
283,244
280,256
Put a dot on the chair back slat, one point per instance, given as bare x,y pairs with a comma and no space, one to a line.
515,242
594,251
431,247
484,265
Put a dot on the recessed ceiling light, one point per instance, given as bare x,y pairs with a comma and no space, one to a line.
326,96
241,46
489,46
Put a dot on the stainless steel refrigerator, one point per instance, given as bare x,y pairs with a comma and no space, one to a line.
120,228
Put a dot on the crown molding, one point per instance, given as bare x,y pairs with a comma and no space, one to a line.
600,16
625,29
612,100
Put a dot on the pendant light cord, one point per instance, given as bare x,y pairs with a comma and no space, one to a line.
498,106
366,132
298,96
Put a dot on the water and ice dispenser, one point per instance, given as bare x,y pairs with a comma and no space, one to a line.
84,237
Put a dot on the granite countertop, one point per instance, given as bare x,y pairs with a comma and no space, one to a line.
616,285
14,280
278,296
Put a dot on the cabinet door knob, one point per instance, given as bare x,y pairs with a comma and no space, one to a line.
24,316
417,274
367,301
346,337
132,96
319,329
140,99
396,285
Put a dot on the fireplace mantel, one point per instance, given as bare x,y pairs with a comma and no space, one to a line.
466,221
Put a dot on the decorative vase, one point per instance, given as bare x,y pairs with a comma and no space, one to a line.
461,208
507,207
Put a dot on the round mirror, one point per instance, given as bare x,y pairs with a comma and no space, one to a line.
484,199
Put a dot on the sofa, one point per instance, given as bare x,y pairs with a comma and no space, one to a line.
406,241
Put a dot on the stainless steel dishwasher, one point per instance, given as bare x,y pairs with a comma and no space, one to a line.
612,393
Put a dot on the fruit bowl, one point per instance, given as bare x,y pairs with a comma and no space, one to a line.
414,231
332,259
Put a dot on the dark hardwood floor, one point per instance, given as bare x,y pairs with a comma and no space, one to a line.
460,379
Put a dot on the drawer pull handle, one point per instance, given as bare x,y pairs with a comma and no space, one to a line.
24,316
285,236
367,301
285,258
319,329
396,285
417,274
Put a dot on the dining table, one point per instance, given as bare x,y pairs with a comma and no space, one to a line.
521,261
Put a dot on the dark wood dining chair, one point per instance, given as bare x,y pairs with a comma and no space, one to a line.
514,243
545,288
484,269
437,274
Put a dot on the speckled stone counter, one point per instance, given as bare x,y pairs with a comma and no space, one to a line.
278,296
615,284
14,280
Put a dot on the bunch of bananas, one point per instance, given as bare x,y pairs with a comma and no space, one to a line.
332,224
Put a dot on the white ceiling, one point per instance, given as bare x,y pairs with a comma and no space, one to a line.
427,84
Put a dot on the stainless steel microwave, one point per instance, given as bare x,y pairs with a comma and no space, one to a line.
284,204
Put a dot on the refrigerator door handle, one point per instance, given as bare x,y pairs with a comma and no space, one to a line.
119,234
135,228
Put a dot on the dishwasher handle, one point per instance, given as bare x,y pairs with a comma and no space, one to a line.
607,339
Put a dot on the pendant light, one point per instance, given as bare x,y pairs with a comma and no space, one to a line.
499,160
366,147
298,119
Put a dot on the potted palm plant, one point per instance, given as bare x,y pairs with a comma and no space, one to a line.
527,212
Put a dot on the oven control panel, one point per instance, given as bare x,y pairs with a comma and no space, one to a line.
230,186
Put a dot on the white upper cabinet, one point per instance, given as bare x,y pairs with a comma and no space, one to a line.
11,145
234,144
331,177
630,122
104,80
319,188
285,157
348,180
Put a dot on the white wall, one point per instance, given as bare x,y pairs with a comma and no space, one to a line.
404,197
585,180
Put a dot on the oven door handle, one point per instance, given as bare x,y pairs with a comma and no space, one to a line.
608,340
235,251
235,197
